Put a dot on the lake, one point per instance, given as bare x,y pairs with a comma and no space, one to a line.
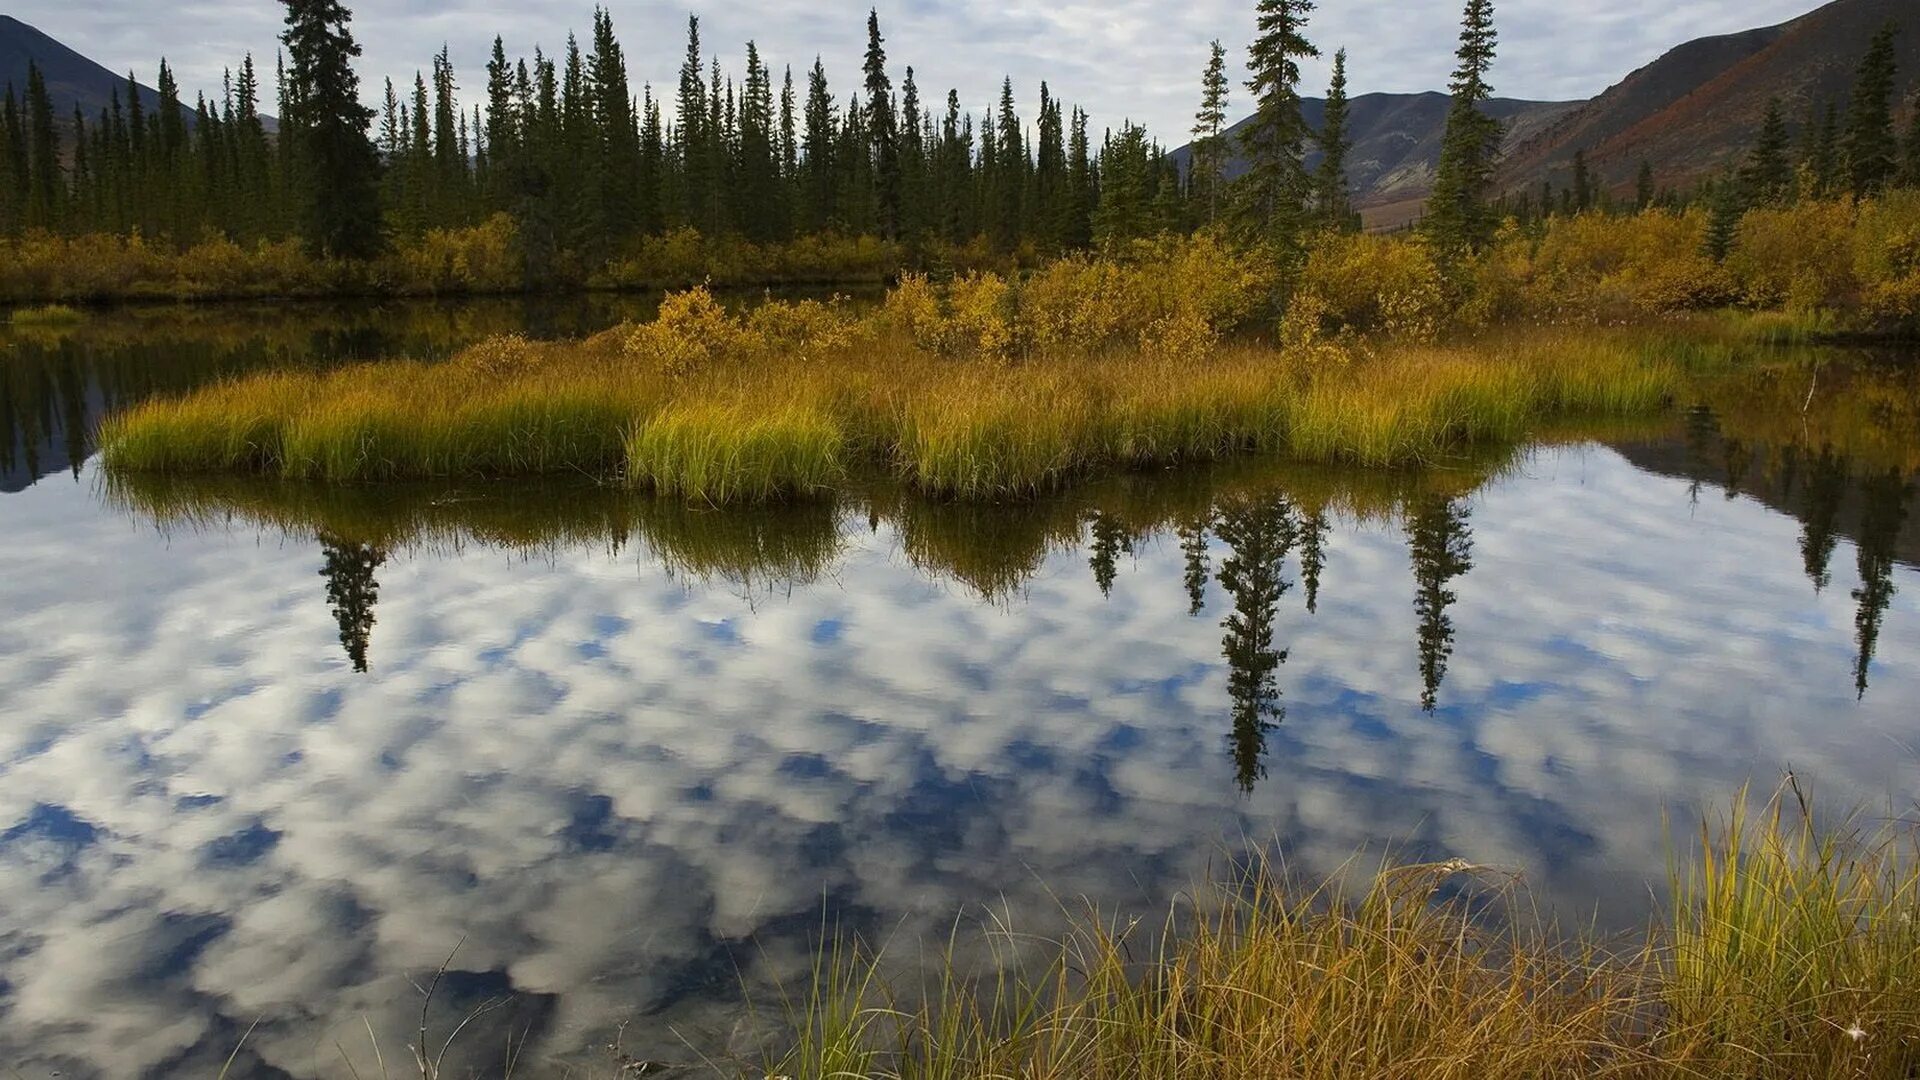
270,753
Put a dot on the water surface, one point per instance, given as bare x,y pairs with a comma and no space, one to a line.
267,751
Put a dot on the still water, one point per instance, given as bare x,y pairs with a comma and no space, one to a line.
270,752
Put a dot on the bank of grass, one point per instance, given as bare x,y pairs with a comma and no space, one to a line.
1786,953
771,419
46,315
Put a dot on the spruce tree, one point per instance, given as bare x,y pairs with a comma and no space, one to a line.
882,131
1010,170
14,168
1582,183
1458,221
1872,153
690,125
1726,204
1767,174
1274,191
617,162
1209,150
915,214
1336,208
1643,191
45,189
1911,170
1822,159
342,200
817,168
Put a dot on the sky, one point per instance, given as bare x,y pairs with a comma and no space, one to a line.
1120,59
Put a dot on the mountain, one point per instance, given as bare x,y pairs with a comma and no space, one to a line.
1697,109
1396,144
1688,114
72,79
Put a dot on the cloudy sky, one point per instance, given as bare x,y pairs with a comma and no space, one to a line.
1119,58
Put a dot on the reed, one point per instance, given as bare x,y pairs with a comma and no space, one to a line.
1787,953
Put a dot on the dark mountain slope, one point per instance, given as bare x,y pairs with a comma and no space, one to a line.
1697,109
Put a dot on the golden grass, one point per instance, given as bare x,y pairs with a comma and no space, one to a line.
1786,954
46,315
781,422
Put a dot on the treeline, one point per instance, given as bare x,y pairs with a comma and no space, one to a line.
560,176
586,169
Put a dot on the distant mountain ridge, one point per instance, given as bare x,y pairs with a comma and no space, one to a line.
1697,109
1688,114
72,79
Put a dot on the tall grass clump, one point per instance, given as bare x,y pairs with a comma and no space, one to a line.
737,452
1788,952
46,315
1795,951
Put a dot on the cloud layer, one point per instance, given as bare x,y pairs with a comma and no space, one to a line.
1118,58
615,785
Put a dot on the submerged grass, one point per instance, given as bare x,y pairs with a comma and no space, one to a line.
1785,953
966,427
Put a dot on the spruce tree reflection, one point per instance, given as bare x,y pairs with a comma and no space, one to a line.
1313,556
1441,545
1736,462
1819,529
1886,511
1193,545
1109,540
1703,438
352,592
1260,535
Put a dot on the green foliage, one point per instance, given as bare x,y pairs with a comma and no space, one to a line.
1273,195
1330,182
1209,147
1458,221
1872,149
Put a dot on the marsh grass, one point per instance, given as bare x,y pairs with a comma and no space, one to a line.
1786,952
46,315
794,424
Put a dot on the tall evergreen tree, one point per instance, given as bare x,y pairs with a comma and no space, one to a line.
1767,174
342,197
618,142
14,164
45,189
1822,160
1274,191
819,174
1910,167
1582,183
1643,192
883,133
1330,185
1010,170
1209,148
1872,152
1458,220
1082,185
